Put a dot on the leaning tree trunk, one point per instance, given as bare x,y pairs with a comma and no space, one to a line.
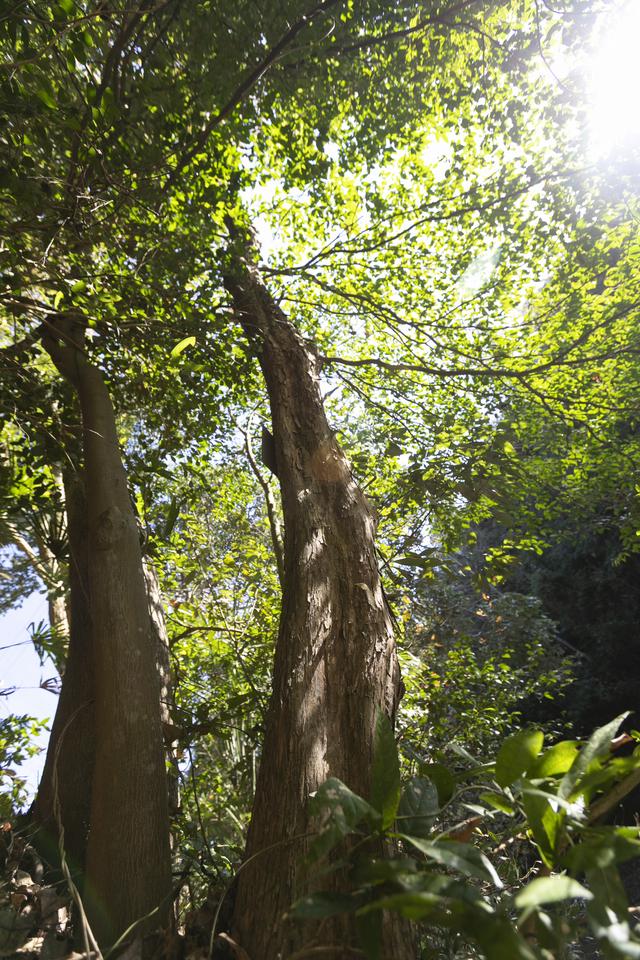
68,769
128,857
335,662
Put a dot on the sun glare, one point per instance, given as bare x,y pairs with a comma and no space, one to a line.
614,79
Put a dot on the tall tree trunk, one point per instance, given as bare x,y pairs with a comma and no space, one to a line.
163,659
335,662
70,754
128,857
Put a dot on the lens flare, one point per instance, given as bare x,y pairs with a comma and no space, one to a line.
614,80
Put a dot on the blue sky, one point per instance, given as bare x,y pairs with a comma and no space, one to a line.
20,669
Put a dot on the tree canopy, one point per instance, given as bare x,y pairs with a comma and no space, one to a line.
319,350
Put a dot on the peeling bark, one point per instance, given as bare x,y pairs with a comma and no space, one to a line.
128,856
335,662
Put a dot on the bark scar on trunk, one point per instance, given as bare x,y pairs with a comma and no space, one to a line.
110,528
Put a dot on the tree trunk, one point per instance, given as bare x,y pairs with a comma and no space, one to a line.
163,659
128,857
70,754
59,623
335,662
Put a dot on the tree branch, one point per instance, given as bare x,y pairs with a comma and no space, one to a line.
274,526
248,84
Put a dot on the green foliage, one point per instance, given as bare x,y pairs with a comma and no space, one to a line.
517,755
474,661
385,776
210,541
17,733
417,182
550,800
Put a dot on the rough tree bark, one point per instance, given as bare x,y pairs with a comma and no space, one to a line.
128,857
335,662
163,662
70,753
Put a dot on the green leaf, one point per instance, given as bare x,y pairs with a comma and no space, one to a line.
557,759
517,754
608,891
544,823
172,515
340,811
550,890
598,745
463,857
443,779
182,345
418,808
417,560
45,97
343,805
385,777
383,871
602,848
494,933
318,905
498,801
413,906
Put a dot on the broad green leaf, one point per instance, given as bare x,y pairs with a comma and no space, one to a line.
544,822
414,906
462,857
417,560
172,515
608,893
418,808
339,810
517,755
344,806
385,775
494,933
550,890
603,847
443,779
45,97
318,905
382,871
557,759
598,745
182,345
498,801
